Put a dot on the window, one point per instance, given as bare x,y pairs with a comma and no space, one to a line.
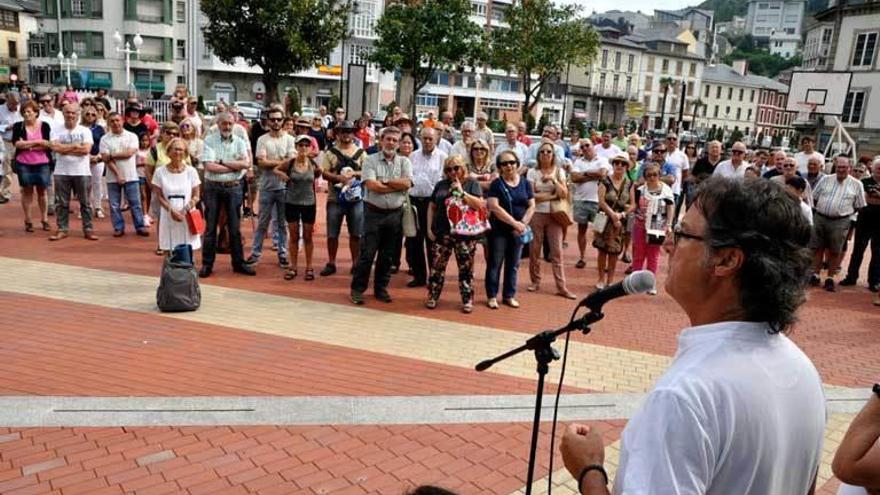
181,11
691,89
604,58
763,6
13,49
863,55
706,93
37,47
826,35
729,94
615,82
738,113
727,111
647,101
78,8
665,68
852,107
752,98
715,112
741,92
678,66
650,63
629,63
601,81
692,71
423,100
761,115
749,118
9,20
363,21
718,92
628,85
80,43
649,81
180,53
478,8
439,78
616,60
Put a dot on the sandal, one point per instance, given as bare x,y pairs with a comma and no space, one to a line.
28,227
310,274
290,274
159,252
45,226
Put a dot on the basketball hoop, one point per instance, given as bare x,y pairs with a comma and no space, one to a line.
804,109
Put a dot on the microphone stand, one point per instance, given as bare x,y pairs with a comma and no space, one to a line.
545,353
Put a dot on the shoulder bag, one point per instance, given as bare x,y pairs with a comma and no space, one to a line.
410,218
559,208
527,236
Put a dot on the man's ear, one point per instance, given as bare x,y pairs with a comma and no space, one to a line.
727,261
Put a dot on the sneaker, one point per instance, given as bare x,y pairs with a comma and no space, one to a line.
829,284
383,296
467,308
282,262
252,260
652,292
847,282
148,220
431,303
513,303
330,269
357,298
118,233
492,303
244,270
815,281
100,213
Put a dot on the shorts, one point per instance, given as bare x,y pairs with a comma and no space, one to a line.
33,175
300,213
829,233
354,218
584,211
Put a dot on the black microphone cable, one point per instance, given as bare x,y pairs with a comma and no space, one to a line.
556,402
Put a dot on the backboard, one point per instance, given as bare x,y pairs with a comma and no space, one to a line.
826,90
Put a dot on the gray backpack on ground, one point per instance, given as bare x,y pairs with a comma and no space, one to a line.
179,284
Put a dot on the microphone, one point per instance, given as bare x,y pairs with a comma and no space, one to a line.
634,283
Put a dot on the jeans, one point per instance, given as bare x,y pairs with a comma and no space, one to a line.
271,202
418,247
381,231
96,185
133,196
64,186
504,248
228,198
865,234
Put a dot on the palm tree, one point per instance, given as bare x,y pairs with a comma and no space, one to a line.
665,84
697,103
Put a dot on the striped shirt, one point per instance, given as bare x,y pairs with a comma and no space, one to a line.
834,198
232,149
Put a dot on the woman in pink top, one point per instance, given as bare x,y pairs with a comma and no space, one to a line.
31,163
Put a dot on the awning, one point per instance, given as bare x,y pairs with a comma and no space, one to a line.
154,86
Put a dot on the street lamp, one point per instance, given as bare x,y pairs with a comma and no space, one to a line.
127,50
67,63
477,79
600,112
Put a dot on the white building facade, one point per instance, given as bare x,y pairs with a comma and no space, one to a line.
729,100
669,60
768,17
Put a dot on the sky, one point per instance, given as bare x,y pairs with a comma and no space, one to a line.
646,6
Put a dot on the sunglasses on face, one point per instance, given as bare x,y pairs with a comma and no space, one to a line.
43,102
789,165
452,169
184,126
480,149
619,164
275,120
172,133
546,152
91,114
661,150
652,174
507,163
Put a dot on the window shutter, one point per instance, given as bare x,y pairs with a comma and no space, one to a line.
167,11
130,10
168,55
66,43
65,8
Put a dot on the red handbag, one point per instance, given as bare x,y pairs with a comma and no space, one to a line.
195,221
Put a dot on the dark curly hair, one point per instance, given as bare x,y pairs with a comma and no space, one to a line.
766,223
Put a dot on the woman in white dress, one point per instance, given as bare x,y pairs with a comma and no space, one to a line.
176,186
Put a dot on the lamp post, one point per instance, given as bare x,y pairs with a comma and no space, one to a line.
600,113
477,79
67,63
127,50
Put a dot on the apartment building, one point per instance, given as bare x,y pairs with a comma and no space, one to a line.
817,46
773,122
669,60
768,17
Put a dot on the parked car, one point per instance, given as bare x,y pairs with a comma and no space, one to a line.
308,112
250,110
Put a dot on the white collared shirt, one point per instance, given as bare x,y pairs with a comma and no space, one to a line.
519,149
427,170
726,169
739,410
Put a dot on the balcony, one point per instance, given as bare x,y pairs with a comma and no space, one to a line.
601,92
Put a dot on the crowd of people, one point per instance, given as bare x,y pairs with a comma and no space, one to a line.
620,191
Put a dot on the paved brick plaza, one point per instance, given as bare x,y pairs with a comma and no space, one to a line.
81,323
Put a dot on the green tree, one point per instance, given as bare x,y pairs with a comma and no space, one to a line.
762,62
279,36
665,84
541,40
459,117
420,37
294,103
336,102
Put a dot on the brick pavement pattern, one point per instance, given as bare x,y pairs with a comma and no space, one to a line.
81,320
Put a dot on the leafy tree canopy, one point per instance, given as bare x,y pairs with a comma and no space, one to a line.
541,40
280,36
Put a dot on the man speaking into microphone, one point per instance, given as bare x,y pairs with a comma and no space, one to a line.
740,409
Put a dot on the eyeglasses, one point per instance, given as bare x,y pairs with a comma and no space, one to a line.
172,133
480,149
546,152
789,165
507,163
275,120
652,174
90,114
678,234
452,169
184,126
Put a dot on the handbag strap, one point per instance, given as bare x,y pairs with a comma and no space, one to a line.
618,191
